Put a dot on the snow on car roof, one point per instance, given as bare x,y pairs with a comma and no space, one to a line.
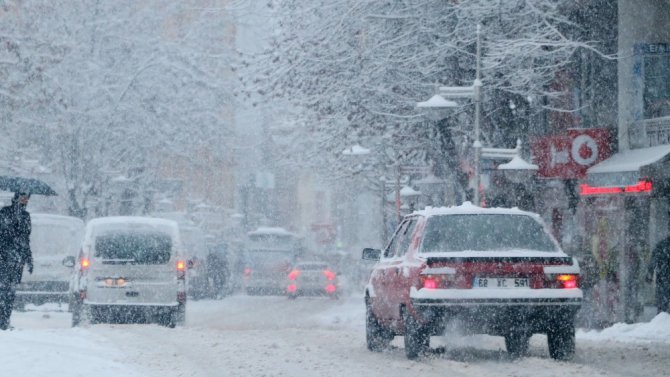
467,208
132,222
271,230
50,218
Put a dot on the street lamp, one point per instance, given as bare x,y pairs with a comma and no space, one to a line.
473,92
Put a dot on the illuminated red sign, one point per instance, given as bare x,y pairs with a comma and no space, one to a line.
640,187
568,156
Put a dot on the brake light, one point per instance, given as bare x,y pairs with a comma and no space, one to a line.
562,281
330,275
567,281
291,288
430,282
181,269
85,263
293,274
331,288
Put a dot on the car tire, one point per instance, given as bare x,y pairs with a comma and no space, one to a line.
561,341
377,337
417,338
516,343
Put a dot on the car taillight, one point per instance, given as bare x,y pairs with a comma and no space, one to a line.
437,281
293,274
330,275
181,269
85,263
331,288
292,288
568,280
562,281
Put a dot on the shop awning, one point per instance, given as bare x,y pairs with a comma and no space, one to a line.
630,166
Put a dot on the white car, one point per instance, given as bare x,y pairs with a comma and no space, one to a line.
130,269
54,242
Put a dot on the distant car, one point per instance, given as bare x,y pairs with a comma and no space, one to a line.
130,269
269,254
312,279
54,239
498,271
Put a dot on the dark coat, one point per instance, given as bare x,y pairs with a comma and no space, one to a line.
15,228
660,262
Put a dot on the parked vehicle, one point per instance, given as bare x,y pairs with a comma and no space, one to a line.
268,256
498,271
53,239
312,279
130,269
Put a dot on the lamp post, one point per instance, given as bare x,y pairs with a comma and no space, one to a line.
439,103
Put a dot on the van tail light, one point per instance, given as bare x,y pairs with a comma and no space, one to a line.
330,275
293,275
181,269
562,281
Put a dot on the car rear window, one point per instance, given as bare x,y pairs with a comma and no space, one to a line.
312,266
142,248
489,232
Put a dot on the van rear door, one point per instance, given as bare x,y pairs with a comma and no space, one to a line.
133,268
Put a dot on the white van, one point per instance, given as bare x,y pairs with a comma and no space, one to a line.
54,240
130,269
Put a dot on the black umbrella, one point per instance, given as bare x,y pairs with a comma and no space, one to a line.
30,186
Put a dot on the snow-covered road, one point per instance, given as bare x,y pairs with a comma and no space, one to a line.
272,336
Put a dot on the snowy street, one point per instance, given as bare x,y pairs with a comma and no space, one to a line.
272,336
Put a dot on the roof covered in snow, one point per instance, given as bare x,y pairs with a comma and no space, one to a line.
631,160
271,230
467,208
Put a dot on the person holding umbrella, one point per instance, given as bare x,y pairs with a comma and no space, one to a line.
15,252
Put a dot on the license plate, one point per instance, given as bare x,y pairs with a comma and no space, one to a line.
500,283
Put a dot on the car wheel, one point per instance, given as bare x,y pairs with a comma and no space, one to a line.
517,343
417,338
561,341
377,337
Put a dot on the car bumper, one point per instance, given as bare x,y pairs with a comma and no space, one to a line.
496,312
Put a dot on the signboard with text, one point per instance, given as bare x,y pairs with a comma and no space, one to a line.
568,156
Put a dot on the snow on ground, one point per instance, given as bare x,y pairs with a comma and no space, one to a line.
272,336
655,331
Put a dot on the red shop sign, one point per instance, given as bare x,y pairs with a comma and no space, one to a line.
568,156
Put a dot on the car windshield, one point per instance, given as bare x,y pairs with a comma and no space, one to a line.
485,233
143,248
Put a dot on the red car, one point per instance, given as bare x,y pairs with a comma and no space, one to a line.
497,270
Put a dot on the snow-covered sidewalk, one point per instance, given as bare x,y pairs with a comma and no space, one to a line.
655,331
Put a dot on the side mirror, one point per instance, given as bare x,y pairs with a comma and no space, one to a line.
69,261
371,254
